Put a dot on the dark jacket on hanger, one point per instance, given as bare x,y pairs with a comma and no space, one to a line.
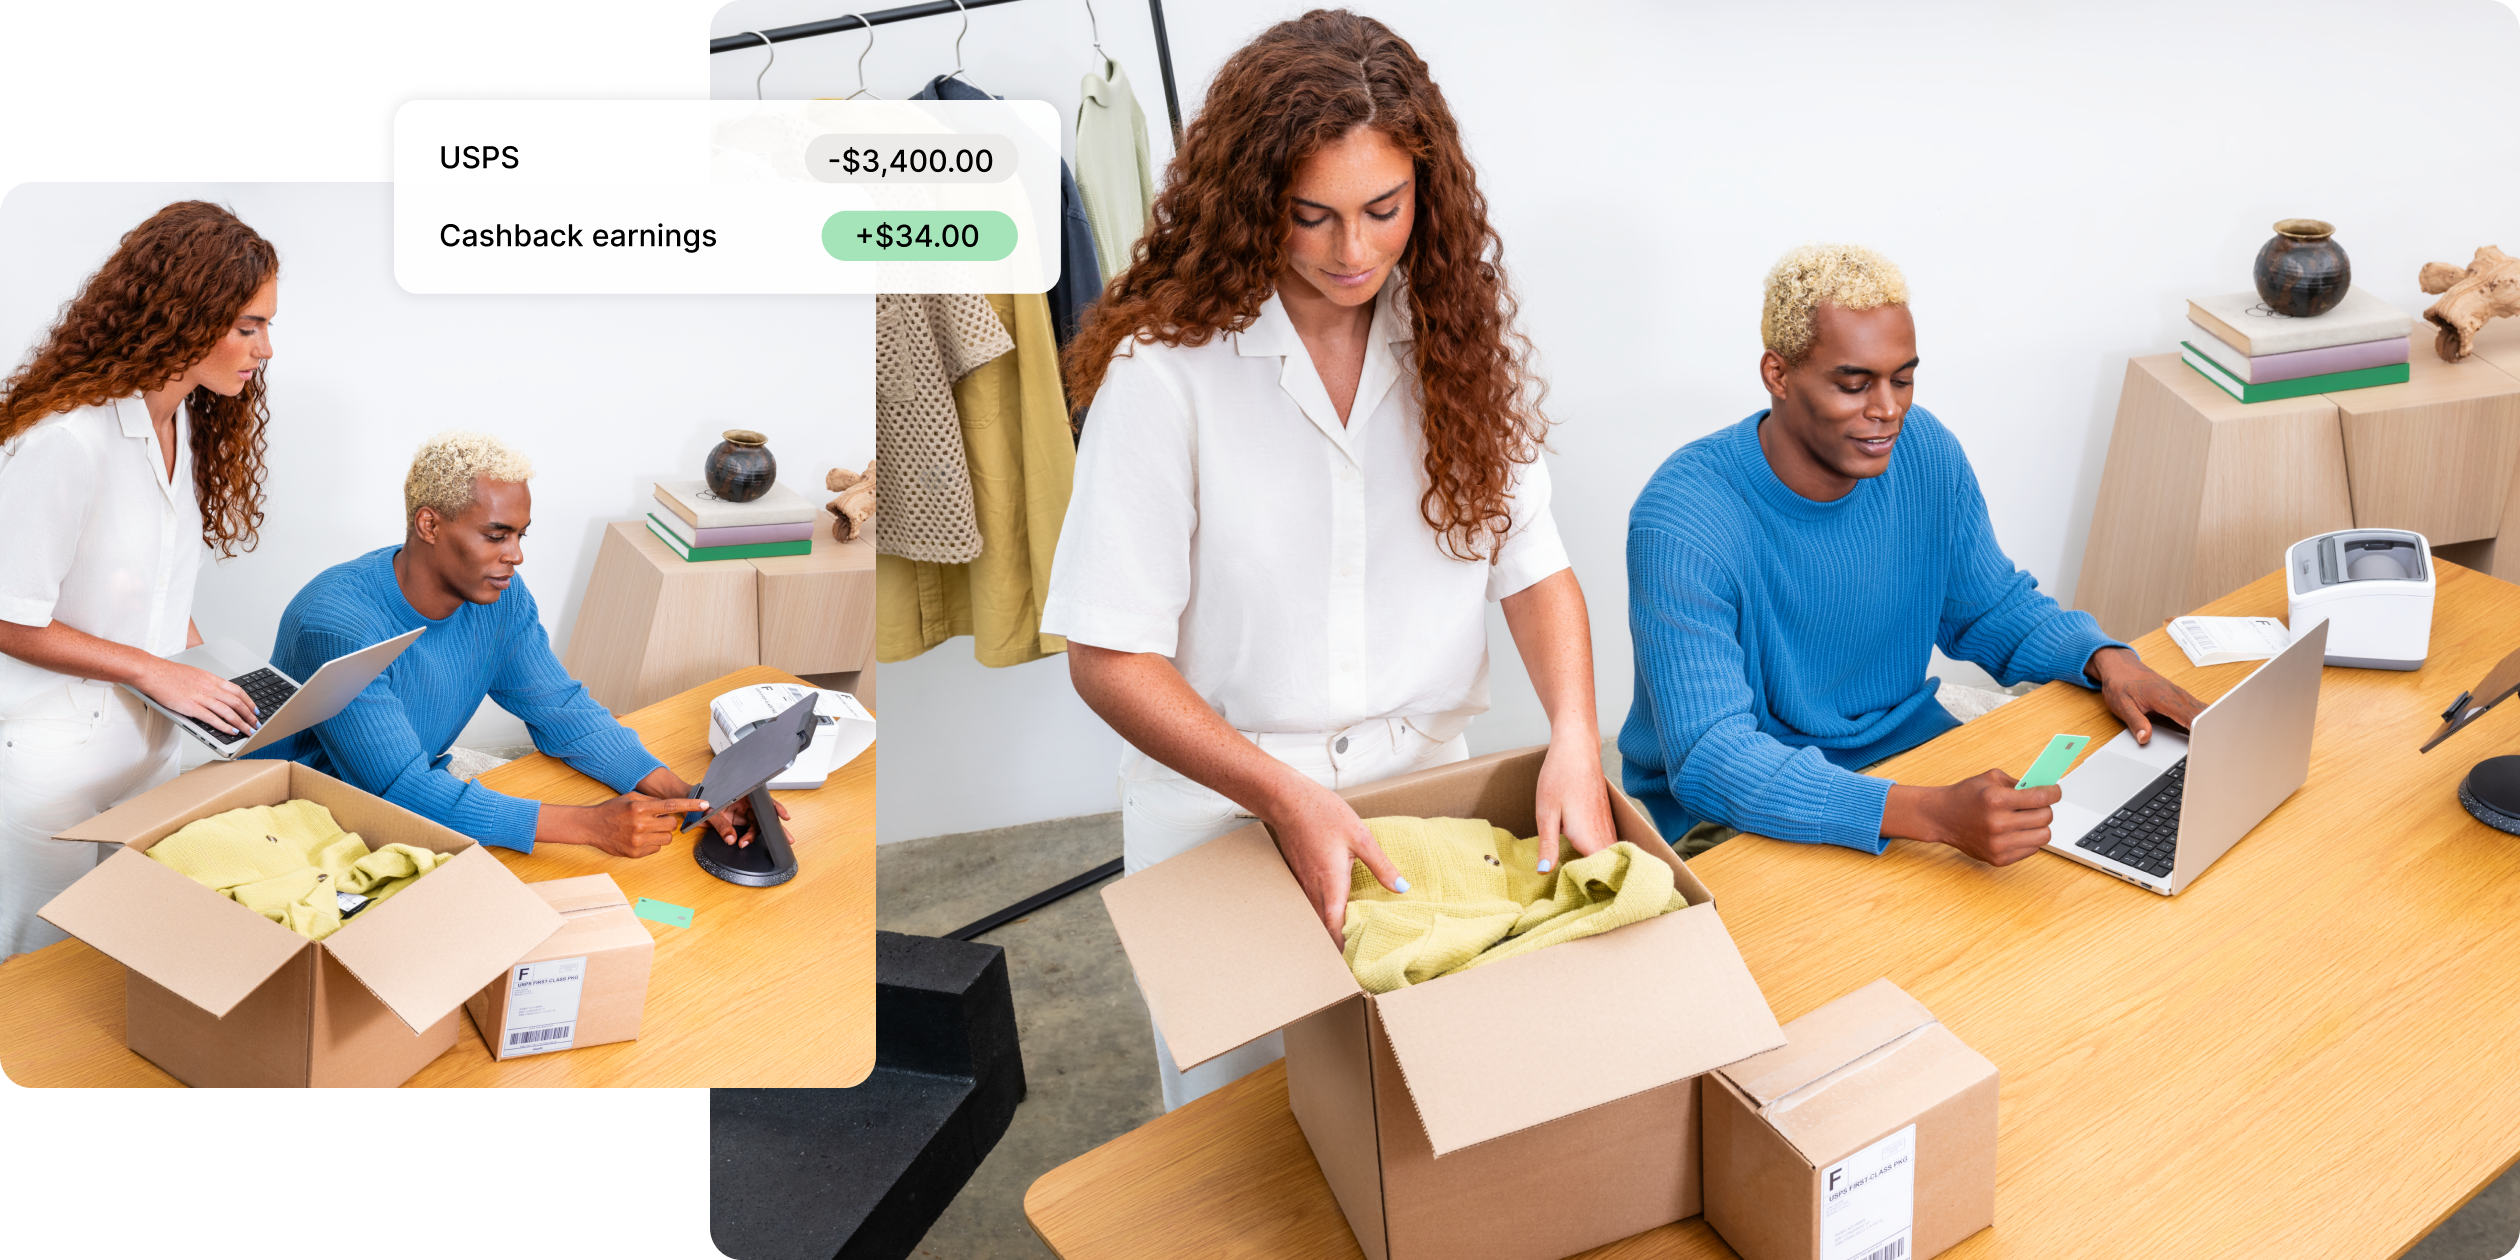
1080,273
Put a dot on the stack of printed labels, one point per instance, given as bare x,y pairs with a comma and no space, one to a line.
2259,355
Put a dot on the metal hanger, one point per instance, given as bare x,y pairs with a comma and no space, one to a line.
768,47
861,64
1096,23
958,39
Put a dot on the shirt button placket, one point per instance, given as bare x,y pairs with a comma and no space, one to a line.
1347,586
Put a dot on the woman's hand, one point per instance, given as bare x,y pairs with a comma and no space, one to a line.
1573,801
1319,834
198,694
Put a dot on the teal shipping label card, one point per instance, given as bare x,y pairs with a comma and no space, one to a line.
664,912
2051,764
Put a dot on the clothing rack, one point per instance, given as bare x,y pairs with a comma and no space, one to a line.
1172,106
940,8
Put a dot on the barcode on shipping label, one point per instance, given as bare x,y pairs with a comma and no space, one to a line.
542,1008
1868,1201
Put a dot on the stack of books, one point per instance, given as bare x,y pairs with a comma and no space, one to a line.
701,526
2258,355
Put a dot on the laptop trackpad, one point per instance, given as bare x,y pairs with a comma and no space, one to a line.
2122,767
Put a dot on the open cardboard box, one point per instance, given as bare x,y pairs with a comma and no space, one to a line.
219,995
1524,1110
1871,1132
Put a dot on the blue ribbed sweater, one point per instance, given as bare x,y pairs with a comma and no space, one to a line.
1782,643
392,739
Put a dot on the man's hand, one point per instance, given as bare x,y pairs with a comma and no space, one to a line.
1985,817
733,823
198,694
1573,801
2134,692
631,825
1320,835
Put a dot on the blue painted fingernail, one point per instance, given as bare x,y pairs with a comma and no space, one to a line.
1399,885
1545,864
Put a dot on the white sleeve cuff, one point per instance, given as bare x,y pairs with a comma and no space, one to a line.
1527,557
26,610
1112,629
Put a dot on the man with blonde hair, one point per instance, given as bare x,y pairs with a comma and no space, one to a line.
1790,575
466,507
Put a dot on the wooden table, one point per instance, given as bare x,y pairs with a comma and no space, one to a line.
2200,489
653,623
767,987
2308,1053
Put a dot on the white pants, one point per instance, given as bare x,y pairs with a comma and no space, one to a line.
1163,815
67,755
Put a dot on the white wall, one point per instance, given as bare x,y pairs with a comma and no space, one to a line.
2054,179
606,394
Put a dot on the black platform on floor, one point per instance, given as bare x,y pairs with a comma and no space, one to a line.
860,1174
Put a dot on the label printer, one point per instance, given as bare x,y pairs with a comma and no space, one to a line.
2374,588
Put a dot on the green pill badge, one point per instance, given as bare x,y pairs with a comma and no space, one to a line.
919,236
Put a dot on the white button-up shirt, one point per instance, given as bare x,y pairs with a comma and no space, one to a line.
99,538
1223,517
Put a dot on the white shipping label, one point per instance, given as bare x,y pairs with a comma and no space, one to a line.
1868,1202
542,1007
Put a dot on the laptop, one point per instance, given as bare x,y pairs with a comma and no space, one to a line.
284,705
2156,815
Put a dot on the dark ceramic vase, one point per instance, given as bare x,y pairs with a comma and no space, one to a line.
2303,271
740,468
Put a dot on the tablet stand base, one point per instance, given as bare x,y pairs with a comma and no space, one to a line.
767,861
2491,793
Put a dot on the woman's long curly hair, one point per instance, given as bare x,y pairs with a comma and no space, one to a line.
1216,244
172,289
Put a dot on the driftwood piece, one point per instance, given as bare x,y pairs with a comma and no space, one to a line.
855,505
2488,288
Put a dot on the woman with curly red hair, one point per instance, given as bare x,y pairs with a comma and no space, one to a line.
131,438
1312,456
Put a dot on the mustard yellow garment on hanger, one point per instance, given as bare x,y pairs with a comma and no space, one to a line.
1023,467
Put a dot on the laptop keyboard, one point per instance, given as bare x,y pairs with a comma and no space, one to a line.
2144,832
268,689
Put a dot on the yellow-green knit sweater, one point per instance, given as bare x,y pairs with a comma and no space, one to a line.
286,862
1474,897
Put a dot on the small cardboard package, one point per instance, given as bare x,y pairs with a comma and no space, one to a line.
1870,1135
219,995
583,987
1524,1110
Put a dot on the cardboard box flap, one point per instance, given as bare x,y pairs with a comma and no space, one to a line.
435,943
1225,946
198,793
1829,1039
581,894
1846,1111
154,919
1497,1049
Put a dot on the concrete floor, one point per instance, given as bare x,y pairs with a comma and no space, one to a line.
1089,1059
1089,1055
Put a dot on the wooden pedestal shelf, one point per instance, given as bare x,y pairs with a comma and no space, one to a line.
2203,492
654,623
